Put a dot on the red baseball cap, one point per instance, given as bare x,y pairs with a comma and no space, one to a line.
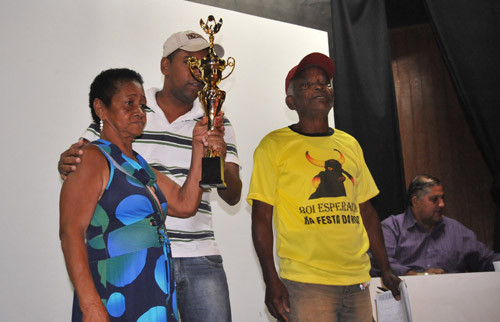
313,59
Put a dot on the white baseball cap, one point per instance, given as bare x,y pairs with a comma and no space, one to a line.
189,41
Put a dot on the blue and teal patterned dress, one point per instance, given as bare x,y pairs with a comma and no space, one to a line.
129,253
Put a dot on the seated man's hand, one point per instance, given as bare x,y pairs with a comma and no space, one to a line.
431,270
70,158
434,270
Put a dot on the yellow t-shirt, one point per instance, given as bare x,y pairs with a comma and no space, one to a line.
315,184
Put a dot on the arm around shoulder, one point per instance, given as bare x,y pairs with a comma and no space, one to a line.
69,159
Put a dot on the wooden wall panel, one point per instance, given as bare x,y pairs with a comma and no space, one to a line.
435,137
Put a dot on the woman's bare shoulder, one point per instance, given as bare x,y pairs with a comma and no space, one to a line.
92,161
91,152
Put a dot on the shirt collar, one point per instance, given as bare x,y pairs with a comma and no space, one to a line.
194,113
410,222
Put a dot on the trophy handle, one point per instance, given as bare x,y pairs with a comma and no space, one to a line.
194,64
230,62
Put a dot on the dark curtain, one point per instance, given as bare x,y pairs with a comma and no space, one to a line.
365,103
468,33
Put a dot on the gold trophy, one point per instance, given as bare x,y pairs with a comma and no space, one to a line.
210,70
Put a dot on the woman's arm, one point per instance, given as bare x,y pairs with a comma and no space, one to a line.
79,195
183,201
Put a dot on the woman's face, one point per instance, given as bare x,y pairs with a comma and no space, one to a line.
125,116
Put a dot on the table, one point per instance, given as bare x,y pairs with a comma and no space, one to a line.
451,297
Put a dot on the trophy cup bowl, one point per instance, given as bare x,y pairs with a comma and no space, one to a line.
208,70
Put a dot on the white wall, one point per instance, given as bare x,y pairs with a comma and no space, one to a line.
50,52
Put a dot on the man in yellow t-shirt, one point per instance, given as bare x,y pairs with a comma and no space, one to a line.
313,181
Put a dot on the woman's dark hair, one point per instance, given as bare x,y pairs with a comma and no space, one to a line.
420,185
105,85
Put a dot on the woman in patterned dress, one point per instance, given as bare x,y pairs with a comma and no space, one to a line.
113,208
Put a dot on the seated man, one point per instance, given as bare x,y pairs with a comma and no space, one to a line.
422,240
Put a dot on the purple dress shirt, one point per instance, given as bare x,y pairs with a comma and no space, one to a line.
450,246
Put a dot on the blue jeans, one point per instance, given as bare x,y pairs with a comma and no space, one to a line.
328,303
202,291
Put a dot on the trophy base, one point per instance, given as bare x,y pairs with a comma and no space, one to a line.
212,173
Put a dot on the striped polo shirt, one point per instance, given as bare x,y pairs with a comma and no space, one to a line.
167,147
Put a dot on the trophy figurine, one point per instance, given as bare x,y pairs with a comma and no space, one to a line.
209,71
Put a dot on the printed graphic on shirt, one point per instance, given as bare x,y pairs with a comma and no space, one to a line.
322,213
330,182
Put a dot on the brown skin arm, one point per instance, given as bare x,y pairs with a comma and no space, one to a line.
79,195
232,194
262,234
377,247
182,201
70,158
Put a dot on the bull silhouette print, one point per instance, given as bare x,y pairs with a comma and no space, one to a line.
330,182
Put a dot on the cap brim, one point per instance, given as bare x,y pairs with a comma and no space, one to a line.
314,59
219,50
317,59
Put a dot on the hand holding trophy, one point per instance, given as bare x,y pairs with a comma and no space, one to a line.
209,71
